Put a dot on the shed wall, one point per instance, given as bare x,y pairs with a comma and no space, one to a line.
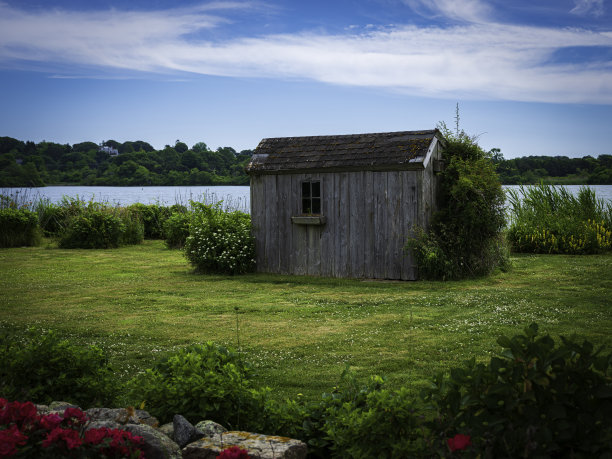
368,218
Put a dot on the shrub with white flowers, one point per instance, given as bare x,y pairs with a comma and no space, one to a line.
220,241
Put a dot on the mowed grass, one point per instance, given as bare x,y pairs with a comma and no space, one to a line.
140,302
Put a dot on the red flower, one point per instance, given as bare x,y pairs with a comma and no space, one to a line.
459,442
70,413
96,436
9,439
69,437
20,413
50,421
234,452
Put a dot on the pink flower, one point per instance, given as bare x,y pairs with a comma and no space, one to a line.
234,452
459,442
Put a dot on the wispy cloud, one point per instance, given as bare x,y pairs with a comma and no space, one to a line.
460,10
475,58
588,8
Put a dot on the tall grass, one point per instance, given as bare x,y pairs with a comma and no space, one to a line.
550,219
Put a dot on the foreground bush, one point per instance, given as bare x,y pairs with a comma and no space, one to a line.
220,241
43,367
27,434
549,219
536,399
200,382
18,227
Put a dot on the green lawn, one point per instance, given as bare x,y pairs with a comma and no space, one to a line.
138,302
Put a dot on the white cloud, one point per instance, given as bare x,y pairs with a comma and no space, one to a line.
483,60
460,10
588,8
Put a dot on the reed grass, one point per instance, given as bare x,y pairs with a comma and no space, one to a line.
550,219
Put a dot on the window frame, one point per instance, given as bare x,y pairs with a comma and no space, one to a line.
311,199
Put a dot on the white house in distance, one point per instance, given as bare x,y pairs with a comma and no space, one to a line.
109,150
343,206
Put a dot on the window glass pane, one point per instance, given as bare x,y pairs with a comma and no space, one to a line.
306,206
316,189
316,205
305,189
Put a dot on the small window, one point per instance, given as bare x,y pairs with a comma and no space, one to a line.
311,197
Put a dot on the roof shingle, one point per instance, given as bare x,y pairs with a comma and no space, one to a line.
378,151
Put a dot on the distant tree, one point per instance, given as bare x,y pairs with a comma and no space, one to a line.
85,146
180,147
200,147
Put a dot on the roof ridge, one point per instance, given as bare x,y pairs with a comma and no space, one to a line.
415,132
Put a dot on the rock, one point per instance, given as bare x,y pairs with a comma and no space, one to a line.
258,446
210,428
167,429
61,406
118,415
146,418
109,424
156,444
184,432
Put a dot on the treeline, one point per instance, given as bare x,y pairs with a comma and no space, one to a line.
27,164
558,170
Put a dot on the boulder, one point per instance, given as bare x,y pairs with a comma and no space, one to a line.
184,432
167,429
118,415
156,444
210,428
258,446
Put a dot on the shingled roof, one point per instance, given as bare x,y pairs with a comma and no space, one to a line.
379,151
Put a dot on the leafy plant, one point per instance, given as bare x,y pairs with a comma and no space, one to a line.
200,382
153,216
93,230
99,226
549,219
219,241
536,399
43,367
176,230
18,227
465,236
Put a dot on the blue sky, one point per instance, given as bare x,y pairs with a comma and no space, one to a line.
532,77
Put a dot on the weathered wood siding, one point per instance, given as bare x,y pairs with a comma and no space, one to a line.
368,219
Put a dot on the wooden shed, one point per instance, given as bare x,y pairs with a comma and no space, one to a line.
342,206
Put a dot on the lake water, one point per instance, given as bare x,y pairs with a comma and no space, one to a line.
233,197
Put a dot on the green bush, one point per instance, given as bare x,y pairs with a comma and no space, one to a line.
98,226
42,367
200,382
535,399
153,216
219,241
133,229
176,230
18,227
94,229
549,219
465,237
